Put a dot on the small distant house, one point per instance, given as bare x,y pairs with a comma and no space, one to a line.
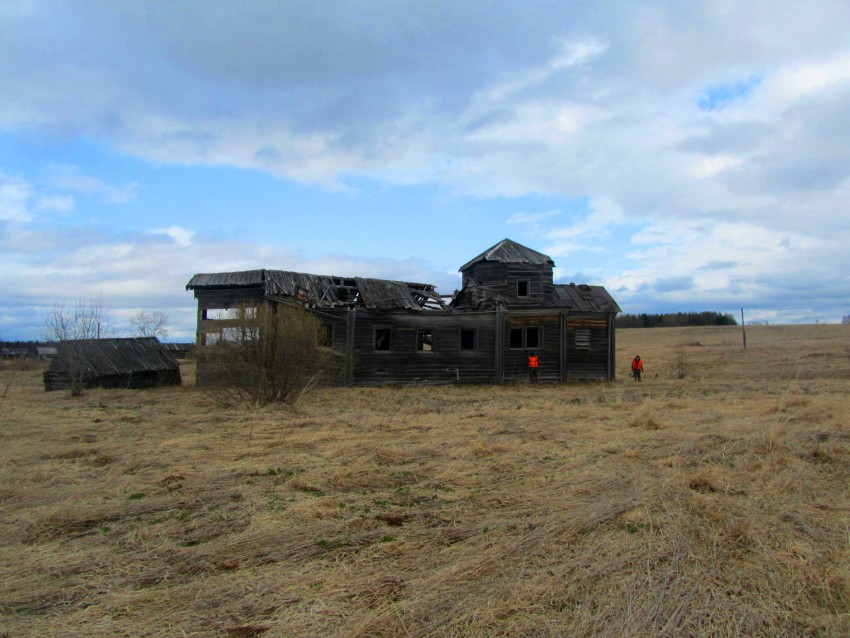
139,362
180,350
14,353
400,332
45,353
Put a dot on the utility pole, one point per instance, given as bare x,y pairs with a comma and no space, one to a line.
743,329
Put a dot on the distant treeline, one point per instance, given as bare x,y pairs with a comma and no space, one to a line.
675,320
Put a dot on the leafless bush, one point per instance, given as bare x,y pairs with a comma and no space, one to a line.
269,354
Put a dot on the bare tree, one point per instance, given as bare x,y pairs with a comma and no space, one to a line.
88,318
149,325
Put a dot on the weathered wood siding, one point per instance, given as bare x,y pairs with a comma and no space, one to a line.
597,361
502,280
549,355
445,363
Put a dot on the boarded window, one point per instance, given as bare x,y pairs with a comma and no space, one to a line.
582,338
425,340
467,339
522,288
383,339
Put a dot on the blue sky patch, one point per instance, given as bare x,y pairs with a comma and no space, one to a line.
720,96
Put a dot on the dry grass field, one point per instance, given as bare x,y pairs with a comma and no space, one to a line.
712,499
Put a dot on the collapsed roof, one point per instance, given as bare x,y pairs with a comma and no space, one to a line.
325,291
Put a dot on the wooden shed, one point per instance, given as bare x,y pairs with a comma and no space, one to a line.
139,362
403,332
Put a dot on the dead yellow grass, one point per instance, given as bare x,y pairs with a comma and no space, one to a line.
709,500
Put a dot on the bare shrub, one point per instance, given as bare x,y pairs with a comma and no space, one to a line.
270,354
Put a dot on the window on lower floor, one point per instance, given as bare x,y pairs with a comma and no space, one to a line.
530,338
582,338
424,340
516,338
383,339
467,339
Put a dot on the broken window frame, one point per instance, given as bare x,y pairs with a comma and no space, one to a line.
387,339
428,341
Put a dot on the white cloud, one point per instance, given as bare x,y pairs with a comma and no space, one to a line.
54,203
532,218
70,178
799,80
181,236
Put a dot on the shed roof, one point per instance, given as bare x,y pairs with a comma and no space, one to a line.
508,251
584,298
107,357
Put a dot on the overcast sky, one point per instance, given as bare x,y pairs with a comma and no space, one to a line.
686,155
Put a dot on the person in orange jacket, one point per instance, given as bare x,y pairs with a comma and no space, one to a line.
533,365
637,367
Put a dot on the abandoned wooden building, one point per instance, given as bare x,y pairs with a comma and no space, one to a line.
401,332
137,362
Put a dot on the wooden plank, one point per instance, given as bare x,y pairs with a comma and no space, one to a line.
499,349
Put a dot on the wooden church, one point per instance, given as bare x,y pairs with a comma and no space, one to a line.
393,332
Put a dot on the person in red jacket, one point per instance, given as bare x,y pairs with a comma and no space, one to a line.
637,367
533,365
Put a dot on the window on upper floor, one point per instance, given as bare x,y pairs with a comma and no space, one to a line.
522,288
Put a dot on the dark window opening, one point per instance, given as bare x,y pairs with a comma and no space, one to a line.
526,338
516,338
383,339
424,340
522,288
467,339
